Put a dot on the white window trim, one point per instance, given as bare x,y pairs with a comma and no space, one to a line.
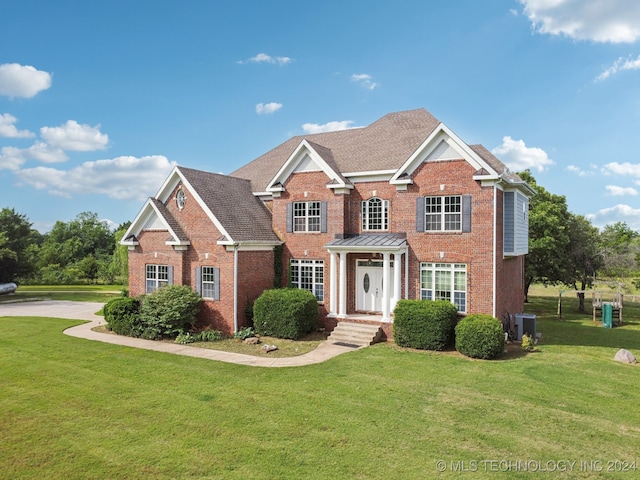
307,216
454,268
316,267
157,281
366,214
443,214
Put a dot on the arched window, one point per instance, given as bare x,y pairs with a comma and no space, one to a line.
375,214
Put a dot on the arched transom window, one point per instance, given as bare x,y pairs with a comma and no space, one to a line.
375,214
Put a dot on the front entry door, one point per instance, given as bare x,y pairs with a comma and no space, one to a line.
369,286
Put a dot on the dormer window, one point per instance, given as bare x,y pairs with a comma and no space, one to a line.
375,214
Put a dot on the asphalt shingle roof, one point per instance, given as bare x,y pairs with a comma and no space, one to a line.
230,199
172,222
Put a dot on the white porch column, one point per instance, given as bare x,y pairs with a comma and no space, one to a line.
386,282
397,267
343,285
333,287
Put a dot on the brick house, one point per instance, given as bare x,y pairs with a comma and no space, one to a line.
402,208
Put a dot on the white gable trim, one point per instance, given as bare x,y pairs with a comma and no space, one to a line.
175,177
148,214
431,144
302,156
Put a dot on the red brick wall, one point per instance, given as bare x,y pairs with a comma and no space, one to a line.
255,268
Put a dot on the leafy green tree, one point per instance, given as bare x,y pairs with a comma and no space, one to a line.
620,250
585,258
15,263
548,260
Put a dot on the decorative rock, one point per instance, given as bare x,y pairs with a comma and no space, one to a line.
269,348
624,356
252,340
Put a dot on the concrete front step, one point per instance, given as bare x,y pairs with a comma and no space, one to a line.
359,334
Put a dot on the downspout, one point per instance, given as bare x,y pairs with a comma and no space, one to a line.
495,246
235,287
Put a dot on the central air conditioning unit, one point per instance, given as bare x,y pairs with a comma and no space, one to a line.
525,323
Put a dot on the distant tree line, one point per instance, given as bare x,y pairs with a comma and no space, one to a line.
566,249
83,250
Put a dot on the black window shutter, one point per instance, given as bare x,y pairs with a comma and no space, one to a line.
289,217
323,217
466,213
420,214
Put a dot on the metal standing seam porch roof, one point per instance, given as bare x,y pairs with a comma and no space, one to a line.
369,242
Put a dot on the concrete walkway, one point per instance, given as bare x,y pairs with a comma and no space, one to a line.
86,311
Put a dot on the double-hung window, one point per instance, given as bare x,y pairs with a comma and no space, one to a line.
375,214
306,216
443,213
308,275
444,281
157,276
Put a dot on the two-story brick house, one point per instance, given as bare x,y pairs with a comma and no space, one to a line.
402,208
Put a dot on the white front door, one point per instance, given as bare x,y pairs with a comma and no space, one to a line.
369,286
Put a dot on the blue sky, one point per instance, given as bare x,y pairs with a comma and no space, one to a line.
98,100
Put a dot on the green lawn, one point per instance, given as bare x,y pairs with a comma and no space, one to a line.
79,293
76,409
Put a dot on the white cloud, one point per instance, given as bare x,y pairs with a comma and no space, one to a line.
327,127
267,108
364,80
580,171
22,80
11,158
122,178
76,137
602,21
264,58
517,156
9,130
626,169
45,153
619,65
617,191
617,213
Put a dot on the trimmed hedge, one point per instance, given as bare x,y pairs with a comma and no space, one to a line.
424,324
121,315
168,311
480,336
285,313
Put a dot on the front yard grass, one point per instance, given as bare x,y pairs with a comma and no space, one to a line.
78,293
72,408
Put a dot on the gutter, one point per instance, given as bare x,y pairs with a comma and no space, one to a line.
235,287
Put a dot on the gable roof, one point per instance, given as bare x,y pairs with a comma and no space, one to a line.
227,201
384,145
230,200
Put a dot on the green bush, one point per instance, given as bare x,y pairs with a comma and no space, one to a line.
424,324
480,336
285,313
168,311
122,315
203,336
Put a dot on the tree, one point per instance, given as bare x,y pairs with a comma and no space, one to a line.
620,249
16,229
548,260
585,258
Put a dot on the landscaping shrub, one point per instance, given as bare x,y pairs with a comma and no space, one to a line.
480,336
424,324
203,336
122,315
168,311
285,313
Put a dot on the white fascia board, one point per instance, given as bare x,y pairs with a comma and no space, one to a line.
292,162
170,184
148,210
442,132
370,176
249,246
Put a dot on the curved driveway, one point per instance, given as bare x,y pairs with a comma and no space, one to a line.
86,311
